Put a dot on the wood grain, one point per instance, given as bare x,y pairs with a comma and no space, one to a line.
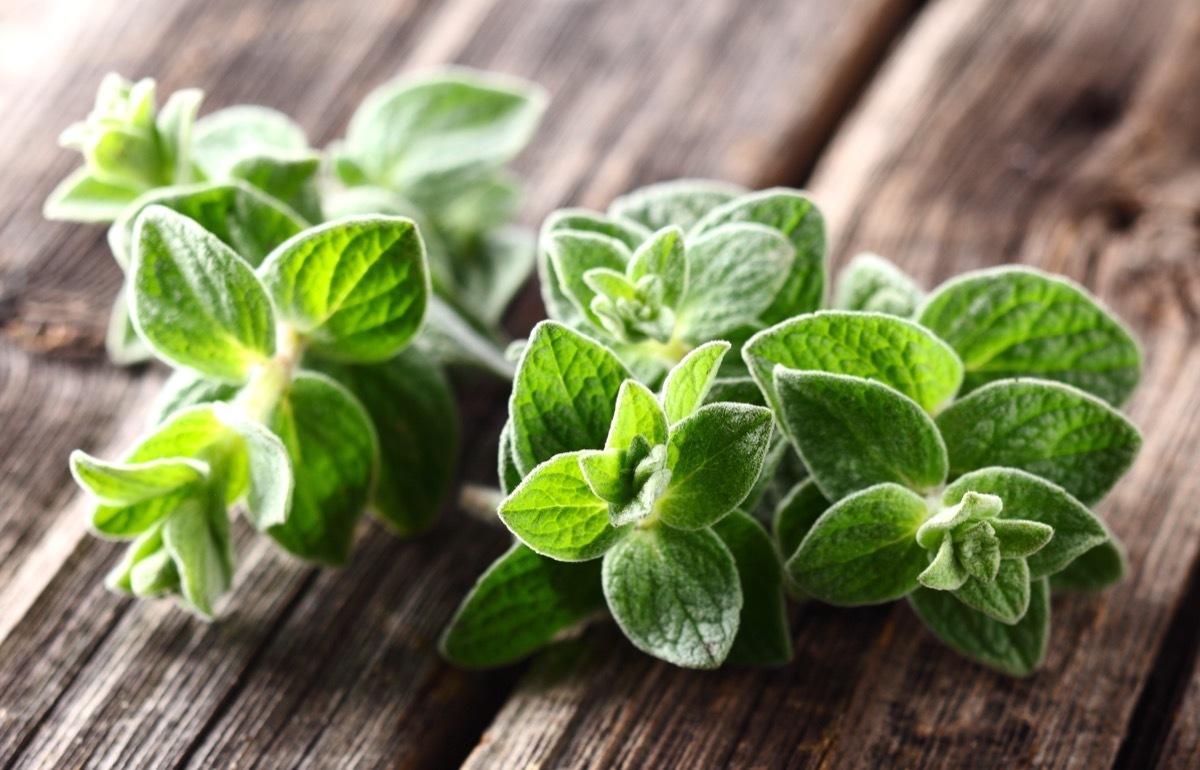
1060,135
316,668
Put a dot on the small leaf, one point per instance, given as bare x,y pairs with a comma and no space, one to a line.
715,457
1005,598
853,433
83,198
796,514
196,535
627,232
945,572
573,254
269,493
1051,430
604,472
1094,570
676,595
864,549
195,301
873,284
972,507
1019,539
564,395
978,550
1017,322
145,546
185,389
688,384
154,575
1016,650
450,341
763,637
121,340
554,512
122,484
662,255
1029,498
334,454
292,180
518,606
638,413
225,138
681,203
734,272
358,286
882,348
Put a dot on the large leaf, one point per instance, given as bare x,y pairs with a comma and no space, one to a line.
676,595
853,433
763,637
1017,322
195,301
1051,430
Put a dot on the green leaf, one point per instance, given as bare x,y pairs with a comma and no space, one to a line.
358,286
83,198
519,605
269,493
196,535
195,301
154,575
412,407
413,132
451,341
945,572
1005,598
1019,539
796,514
577,220
763,637
1027,497
506,465
564,395
637,413
123,484
978,550
1094,570
797,218
734,272
121,340
853,433
676,595
572,255
890,350
972,507
681,203
1017,322
290,180
227,137
184,389
334,454
243,218
145,546
175,124
715,457
864,549
554,512
871,283
688,384
492,270
605,472
663,255
1016,650
1051,430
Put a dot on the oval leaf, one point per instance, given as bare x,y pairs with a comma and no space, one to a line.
763,637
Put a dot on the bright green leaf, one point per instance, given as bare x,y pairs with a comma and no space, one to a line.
663,255
637,413
271,477
196,535
185,389
83,198
225,138
688,384
121,484
1019,539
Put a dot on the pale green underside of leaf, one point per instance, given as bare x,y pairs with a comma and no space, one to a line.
122,484
83,198
680,202
763,637
873,284
1017,322
271,477
196,535
185,389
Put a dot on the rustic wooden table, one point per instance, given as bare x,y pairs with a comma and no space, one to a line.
947,135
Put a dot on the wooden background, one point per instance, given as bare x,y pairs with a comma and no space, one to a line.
947,135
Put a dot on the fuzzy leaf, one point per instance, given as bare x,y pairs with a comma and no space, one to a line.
518,606
225,138
1005,598
195,301
1019,539
978,551
83,198
292,180
1017,322
972,507
124,484
185,389
681,203
573,254
1093,570
1016,650
873,284
688,384
796,514
196,535
271,479
763,637
506,465
676,595
945,572
638,413
1051,430
853,433
663,255
863,550
358,286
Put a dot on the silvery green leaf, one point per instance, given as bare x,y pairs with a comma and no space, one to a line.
334,454
763,637
518,605
554,512
1017,322
196,535
357,287
637,413
743,390
83,198
292,179
270,472
863,550
871,283
121,340
126,484
796,514
1052,430
120,155
450,341
1029,498
146,545
886,349
369,200
714,456
1019,539
945,572
792,214
642,505
1094,570
412,408
154,575
680,202
1016,650
853,433
184,389
689,382
573,254
676,595
564,395
490,273
418,130
972,507
242,217
978,550
195,301
485,202
223,139
734,271
663,255
175,125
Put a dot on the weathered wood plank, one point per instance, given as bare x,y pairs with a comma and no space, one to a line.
1054,134
309,667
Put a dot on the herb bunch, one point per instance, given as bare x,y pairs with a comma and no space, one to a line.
943,448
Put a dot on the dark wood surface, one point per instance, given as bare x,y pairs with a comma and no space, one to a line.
946,135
